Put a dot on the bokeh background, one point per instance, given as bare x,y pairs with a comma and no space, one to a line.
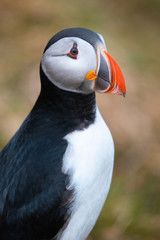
131,29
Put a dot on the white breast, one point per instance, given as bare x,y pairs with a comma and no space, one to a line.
89,161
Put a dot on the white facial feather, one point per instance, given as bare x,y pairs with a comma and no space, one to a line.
68,73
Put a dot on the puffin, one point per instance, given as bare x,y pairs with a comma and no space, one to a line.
56,171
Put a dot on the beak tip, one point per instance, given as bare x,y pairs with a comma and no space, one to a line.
118,82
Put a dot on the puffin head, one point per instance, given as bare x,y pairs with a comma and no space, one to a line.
76,60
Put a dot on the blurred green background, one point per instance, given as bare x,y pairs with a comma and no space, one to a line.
132,33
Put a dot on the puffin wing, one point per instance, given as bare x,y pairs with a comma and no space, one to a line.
33,195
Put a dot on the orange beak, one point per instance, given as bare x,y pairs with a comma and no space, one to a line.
108,76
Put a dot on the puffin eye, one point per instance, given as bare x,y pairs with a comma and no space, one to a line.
73,52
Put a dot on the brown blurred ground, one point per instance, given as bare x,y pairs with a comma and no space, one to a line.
132,34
